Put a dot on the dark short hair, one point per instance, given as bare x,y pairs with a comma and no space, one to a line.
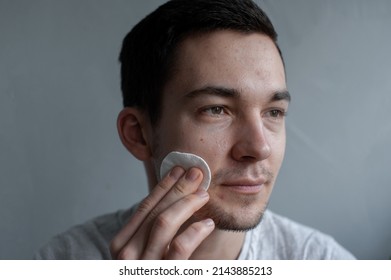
148,50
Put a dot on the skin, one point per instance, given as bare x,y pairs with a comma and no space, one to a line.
227,98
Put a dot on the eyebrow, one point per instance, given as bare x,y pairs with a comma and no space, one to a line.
212,90
281,95
232,93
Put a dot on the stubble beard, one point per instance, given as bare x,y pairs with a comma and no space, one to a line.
244,219
236,212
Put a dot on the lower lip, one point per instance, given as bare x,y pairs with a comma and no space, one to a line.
245,189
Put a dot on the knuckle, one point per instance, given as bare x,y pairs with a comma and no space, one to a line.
114,248
187,200
125,254
198,229
145,205
155,212
163,185
162,222
179,248
179,189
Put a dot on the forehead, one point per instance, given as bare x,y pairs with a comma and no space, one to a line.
244,62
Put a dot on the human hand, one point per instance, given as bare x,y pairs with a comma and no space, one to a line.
152,232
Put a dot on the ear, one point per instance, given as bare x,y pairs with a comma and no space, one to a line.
132,129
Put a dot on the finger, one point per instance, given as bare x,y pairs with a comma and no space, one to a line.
144,209
167,224
183,246
186,185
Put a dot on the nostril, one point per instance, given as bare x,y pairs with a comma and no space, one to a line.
248,158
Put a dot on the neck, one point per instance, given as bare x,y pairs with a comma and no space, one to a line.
220,245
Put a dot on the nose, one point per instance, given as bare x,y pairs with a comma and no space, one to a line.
251,142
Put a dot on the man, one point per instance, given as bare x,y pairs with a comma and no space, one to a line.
203,77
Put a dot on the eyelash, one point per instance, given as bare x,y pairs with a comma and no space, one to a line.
281,113
209,110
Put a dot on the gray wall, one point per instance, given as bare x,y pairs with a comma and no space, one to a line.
61,161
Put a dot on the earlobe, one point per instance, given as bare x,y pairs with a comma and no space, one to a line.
131,125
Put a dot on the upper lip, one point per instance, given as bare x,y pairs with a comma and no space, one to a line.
245,182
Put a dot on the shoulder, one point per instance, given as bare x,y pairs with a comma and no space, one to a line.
89,240
278,237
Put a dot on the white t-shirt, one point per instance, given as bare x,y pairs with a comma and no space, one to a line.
275,237
279,238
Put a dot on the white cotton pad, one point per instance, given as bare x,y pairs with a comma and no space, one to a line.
186,161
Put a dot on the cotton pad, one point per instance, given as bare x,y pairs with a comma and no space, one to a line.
186,161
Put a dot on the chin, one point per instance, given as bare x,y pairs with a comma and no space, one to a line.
240,218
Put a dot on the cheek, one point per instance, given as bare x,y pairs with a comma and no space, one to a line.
214,142
278,151
189,139
214,149
210,143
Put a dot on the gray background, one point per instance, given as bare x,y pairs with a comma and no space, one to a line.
61,161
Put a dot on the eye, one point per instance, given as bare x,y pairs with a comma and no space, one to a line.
214,110
276,114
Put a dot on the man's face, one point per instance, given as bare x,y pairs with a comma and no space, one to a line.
225,102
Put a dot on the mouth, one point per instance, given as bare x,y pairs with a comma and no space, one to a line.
245,186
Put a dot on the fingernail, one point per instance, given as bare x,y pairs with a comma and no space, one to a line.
177,172
209,222
192,174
